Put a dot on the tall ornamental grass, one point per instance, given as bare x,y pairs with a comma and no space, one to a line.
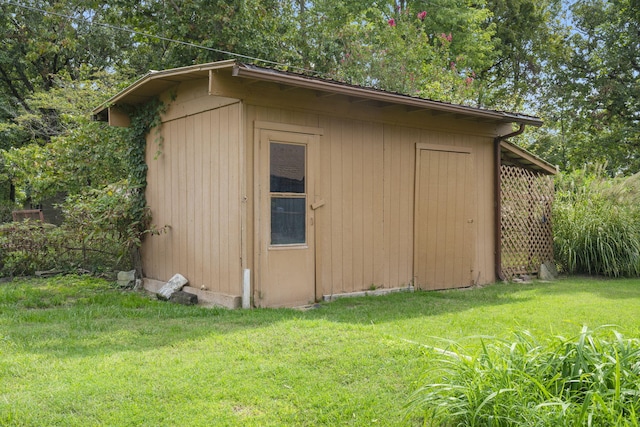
597,224
580,381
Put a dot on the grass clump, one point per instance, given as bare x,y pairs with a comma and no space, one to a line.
597,224
585,380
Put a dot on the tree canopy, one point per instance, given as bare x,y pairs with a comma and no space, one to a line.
574,63
593,97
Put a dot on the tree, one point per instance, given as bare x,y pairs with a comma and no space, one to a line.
38,45
419,48
42,46
251,28
528,33
83,154
594,94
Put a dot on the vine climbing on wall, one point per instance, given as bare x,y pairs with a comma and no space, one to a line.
144,119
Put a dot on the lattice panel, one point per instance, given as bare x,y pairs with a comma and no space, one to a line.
527,239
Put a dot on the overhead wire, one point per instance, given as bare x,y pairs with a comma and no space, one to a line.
167,39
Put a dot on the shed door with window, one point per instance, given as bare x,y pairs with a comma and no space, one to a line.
286,272
444,229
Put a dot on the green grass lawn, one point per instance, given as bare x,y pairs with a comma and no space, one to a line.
77,352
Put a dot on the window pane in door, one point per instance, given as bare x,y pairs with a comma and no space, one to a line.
288,220
287,168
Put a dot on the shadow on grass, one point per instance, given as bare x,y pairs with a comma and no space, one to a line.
82,319
406,305
101,320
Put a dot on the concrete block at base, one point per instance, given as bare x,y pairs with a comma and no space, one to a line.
126,279
547,272
205,298
176,283
376,292
184,298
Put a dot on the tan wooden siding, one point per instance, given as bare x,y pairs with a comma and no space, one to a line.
484,200
194,187
483,164
364,232
350,225
444,217
399,177
294,102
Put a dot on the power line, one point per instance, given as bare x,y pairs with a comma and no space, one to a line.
167,39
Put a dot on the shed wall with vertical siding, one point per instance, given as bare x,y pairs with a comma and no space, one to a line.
201,169
194,188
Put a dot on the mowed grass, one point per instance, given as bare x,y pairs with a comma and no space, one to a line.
74,351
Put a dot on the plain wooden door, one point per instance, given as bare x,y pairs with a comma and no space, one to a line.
444,230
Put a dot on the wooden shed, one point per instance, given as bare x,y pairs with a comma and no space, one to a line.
282,189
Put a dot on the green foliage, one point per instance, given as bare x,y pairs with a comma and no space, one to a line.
84,154
576,65
529,34
597,224
502,42
28,246
592,102
253,28
40,47
583,380
6,207
99,232
105,225
143,119
105,216
422,52
53,71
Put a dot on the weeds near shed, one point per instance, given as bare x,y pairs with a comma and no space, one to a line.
584,380
596,224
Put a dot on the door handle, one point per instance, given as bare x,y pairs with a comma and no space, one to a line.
317,204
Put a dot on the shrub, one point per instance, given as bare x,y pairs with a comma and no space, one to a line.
6,207
584,380
28,246
99,225
97,234
597,224
100,231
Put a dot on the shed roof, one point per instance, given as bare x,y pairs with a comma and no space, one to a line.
155,82
513,155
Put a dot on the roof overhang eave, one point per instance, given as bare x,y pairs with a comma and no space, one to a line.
156,82
164,80
525,159
241,70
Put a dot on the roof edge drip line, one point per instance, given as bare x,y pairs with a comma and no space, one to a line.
286,78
